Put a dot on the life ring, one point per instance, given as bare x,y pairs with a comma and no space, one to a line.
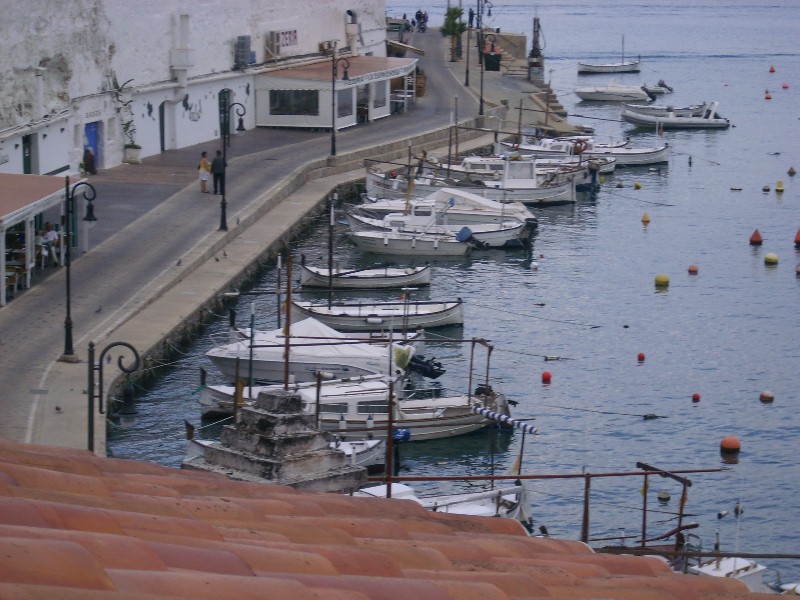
393,174
581,146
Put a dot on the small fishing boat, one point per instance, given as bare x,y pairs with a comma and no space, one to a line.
694,110
709,119
358,408
373,278
509,502
401,315
623,66
423,218
422,245
612,93
588,148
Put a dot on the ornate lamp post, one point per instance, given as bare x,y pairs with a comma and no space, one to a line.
89,194
91,389
226,140
345,77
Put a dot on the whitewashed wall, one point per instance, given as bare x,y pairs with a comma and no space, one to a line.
57,57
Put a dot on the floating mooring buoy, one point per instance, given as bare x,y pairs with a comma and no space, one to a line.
772,69
693,269
767,95
637,186
640,357
791,172
730,444
785,85
766,397
645,218
546,377
765,188
663,496
779,186
695,397
771,259
662,280
797,239
756,239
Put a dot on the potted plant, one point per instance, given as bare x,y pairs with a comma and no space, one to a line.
120,95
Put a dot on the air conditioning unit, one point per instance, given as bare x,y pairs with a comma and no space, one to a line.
241,56
272,44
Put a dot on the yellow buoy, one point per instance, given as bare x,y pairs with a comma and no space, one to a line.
645,218
771,259
637,186
779,186
662,280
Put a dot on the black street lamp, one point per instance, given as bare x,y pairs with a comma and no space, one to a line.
90,389
345,77
481,5
226,140
89,194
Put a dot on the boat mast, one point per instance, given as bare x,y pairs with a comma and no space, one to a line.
623,48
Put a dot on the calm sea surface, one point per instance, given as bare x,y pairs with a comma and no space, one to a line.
727,333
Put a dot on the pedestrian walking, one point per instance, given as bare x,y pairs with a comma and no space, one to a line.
204,169
218,166
471,17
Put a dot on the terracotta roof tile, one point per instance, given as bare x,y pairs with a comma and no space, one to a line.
121,529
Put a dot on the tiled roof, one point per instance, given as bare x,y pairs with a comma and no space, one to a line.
73,525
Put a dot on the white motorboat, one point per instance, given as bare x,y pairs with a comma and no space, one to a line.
709,119
374,278
424,218
463,208
586,147
528,188
357,408
623,66
401,315
422,245
612,93
313,348
656,90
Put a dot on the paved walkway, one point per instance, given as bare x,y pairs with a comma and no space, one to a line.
156,255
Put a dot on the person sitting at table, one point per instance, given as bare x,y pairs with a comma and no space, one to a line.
50,242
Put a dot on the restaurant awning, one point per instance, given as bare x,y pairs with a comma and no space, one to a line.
395,46
360,70
22,198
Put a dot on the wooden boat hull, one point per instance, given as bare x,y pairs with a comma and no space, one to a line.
378,278
612,94
633,66
419,245
398,316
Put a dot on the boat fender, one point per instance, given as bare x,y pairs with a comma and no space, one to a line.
464,235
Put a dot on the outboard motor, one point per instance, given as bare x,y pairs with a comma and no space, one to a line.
427,367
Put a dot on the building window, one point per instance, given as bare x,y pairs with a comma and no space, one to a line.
294,102
344,103
380,94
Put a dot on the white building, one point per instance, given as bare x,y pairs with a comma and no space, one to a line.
165,74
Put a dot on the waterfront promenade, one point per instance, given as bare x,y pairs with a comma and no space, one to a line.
156,256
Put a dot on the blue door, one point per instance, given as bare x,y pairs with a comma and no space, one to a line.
90,138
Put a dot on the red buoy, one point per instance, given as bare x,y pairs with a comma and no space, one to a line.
766,397
756,239
730,444
695,397
785,85
546,377
692,269
640,357
772,69
797,239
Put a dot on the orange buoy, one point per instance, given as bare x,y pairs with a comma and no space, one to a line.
772,69
797,239
730,444
756,239
695,397
785,85
645,218
692,269
766,397
640,357
546,377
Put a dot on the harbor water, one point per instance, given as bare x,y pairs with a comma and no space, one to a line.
581,303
